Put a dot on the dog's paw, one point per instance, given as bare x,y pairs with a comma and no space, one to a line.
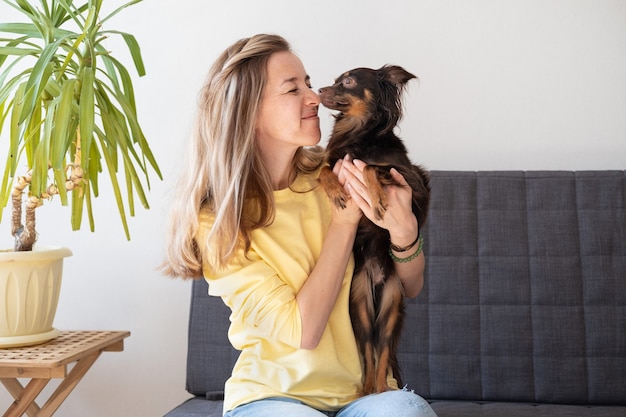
372,176
369,387
340,200
336,194
379,201
380,209
334,190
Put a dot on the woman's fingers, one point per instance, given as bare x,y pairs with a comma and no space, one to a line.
357,186
398,178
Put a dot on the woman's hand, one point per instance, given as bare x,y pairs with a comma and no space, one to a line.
352,213
399,219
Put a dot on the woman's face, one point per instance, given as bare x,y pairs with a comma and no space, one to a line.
287,116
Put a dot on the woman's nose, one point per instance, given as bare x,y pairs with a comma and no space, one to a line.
313,98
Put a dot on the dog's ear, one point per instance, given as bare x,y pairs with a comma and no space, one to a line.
395,75
393,82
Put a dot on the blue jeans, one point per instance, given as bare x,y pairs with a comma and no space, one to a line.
399,403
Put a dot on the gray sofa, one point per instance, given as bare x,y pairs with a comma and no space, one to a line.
523,312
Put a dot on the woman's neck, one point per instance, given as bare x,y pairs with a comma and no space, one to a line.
282,178
280,167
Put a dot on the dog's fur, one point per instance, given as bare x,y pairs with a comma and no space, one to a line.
369,103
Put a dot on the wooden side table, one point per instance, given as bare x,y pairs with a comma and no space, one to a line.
50,360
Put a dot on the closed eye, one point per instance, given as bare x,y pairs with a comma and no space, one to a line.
296,90
295,82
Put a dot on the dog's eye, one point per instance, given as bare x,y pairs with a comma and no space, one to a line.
347,82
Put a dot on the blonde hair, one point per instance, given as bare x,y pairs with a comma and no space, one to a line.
224,170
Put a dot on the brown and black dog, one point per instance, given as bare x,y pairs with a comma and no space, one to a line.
369,103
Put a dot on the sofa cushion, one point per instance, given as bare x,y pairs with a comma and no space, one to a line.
502,409
197,407
210,356
525,296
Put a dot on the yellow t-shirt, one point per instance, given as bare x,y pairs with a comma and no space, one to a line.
265,320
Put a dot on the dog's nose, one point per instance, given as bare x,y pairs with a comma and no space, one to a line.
321,90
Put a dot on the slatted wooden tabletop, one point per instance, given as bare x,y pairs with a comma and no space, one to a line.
50,359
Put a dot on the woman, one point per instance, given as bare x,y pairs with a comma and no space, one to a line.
251,219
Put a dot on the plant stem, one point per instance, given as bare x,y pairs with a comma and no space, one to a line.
25,235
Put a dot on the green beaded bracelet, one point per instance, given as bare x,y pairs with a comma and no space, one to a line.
411,257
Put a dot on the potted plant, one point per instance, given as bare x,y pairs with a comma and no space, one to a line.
67,113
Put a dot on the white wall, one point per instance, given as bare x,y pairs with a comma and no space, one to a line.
532,84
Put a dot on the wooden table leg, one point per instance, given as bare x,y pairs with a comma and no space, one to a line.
14,388
25,399
69,383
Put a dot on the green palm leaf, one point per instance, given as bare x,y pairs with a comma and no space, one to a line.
73,111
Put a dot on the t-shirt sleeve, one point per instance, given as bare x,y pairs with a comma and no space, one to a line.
262,305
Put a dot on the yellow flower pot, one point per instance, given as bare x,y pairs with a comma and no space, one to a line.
30,283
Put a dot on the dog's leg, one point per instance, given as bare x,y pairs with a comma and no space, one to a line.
389,323
333,188
376,191
362,315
